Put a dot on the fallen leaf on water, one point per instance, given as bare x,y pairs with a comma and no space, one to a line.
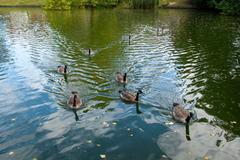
205,158
169,123
89,141
114,123
234,122
105,124
102,156
98,145
141,129
13,119
128,129
131,135
164,156
34,159
11,153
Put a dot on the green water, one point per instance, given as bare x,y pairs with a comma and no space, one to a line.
194,59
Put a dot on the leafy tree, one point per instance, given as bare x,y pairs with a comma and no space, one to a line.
230,7
58,4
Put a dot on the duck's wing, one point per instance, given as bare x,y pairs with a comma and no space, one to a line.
78,102
128,96
70,101
180,114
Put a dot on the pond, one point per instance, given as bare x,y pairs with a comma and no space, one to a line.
185,56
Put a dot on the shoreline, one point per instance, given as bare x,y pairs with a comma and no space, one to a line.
175,5
169,5
161,7
20,6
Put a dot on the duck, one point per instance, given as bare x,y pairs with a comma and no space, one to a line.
62,69
129,97
88,51
74,101
121,78
180,114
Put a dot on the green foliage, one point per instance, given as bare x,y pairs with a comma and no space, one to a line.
144,3
95,3
229,7
58,4
204,3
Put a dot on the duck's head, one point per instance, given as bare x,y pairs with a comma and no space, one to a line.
175,104
89,51
59,66
139,91
74,92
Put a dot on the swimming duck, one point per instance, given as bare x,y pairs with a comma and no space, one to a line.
121,78
74,101
62,69
180,114
129,97
89,51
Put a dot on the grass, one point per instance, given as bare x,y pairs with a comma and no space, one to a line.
21,2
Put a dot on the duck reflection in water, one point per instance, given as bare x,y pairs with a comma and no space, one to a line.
75,113
137,109
187,132
65,78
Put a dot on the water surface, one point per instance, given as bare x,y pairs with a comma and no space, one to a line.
183,56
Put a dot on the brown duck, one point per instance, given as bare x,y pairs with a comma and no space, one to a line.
129,97
74,101
62,69
180,114
121,78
